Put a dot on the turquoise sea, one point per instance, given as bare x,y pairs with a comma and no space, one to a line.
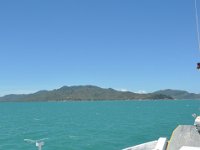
100,125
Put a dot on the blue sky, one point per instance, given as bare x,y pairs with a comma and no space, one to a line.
123,44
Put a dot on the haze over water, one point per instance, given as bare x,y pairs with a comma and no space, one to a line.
101,125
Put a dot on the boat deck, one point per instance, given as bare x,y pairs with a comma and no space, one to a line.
184,135
145,146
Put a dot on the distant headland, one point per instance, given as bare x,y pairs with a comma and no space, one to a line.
92,93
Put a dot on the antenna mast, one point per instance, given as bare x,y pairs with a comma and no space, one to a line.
197,23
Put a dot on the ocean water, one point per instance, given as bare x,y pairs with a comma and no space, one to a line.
101,125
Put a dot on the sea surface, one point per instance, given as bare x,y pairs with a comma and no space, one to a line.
89,125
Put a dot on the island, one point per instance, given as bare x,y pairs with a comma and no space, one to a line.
94,93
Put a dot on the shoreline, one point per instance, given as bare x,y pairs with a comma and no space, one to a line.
108,100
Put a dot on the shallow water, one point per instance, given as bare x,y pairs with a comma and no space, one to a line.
101,125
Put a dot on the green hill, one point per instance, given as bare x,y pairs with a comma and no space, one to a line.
82,93
178,94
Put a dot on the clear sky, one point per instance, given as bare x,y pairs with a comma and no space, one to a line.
123,44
